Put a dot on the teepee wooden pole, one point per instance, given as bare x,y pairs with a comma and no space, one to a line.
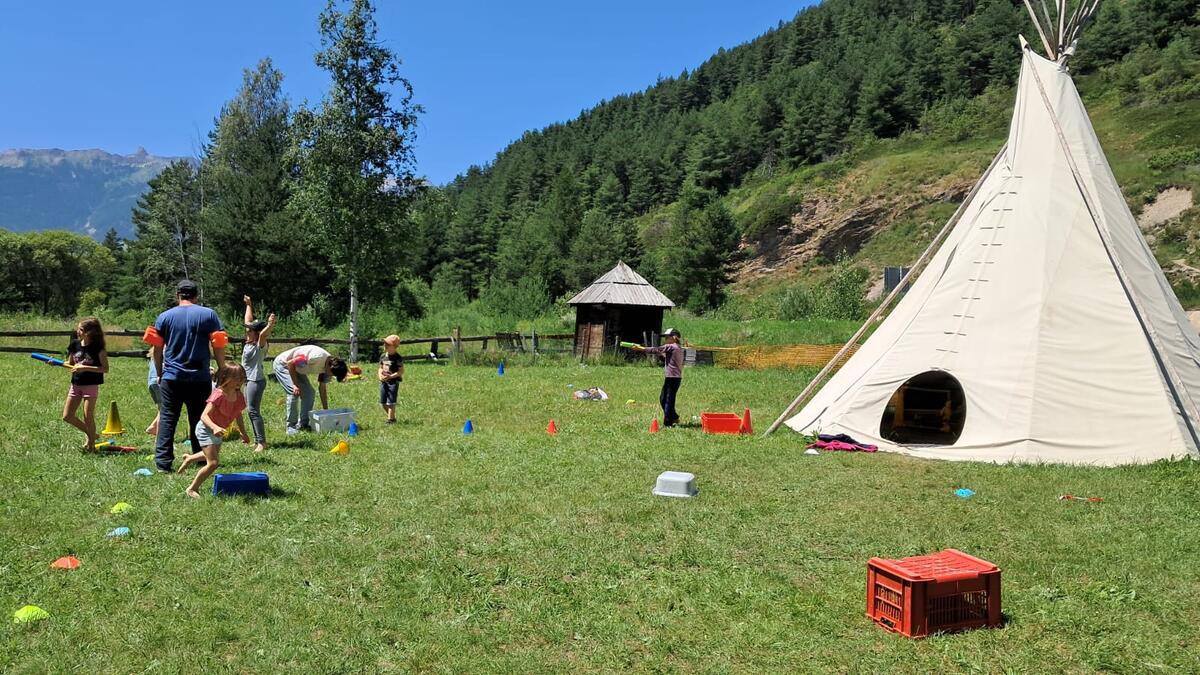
913,273
1038,25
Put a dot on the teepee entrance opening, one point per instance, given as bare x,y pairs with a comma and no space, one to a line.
928,409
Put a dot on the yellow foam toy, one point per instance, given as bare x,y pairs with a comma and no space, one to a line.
120,507
342,448
29,614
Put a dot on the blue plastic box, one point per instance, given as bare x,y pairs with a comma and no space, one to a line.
251,483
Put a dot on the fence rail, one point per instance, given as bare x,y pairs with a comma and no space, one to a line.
506,341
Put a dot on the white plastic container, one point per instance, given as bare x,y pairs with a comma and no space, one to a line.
331,421
676,484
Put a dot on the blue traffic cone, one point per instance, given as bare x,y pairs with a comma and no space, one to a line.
467,428
500,370
353,430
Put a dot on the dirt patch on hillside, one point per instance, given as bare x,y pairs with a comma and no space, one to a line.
1167,206
827,226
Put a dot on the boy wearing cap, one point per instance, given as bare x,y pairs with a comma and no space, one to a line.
391,374
253,351
181,338
672,355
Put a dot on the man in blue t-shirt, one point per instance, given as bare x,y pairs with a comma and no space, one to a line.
181,338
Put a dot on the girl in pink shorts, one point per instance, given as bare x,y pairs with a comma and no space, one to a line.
89,362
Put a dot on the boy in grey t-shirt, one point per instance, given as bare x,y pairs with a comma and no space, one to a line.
253,351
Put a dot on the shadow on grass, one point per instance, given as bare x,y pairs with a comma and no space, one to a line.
274,493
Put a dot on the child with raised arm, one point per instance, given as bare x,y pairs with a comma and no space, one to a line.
223,408
253,351
672,355
391,374
89,362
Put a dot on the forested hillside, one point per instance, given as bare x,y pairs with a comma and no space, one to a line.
648,176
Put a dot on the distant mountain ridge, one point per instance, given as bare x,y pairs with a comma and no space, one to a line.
84,191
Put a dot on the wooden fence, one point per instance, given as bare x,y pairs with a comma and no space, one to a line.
508,342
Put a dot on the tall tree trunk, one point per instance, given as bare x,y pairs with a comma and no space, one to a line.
353,322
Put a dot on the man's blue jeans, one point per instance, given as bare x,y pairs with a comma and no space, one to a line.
173,396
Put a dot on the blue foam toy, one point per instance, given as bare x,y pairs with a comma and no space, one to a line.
353,430
249,483
118,532
468,428
964,492
500,370
143,472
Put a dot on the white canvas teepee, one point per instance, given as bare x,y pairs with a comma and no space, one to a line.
1044,304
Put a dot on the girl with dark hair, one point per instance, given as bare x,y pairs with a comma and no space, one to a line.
89,362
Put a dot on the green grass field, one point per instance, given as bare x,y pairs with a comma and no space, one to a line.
510,550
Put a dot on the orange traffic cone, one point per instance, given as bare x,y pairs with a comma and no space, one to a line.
551,428
654,426
746,428
67,562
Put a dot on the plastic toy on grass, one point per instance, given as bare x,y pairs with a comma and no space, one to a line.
675,484
468,428
118,532
109,446
29,614
250,483
500,370
112,426
721,423
654,426
936,593
552,428
353,430
143,472
964,492
334,420
67,562
51,361
342,448
120,507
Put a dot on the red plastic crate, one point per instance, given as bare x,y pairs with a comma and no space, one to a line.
936,593
721,423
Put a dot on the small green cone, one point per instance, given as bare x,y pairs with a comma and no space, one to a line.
29,614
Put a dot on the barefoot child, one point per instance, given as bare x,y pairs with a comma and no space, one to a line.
223,407
90,362
391,374
253,351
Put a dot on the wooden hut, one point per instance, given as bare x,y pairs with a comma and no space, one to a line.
619,306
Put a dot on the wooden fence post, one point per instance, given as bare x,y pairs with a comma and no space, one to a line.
455,340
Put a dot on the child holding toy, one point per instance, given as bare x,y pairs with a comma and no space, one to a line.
672,355
223,408
253,351
391,374
89,362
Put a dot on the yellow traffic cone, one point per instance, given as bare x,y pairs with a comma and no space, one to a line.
112,426
342,448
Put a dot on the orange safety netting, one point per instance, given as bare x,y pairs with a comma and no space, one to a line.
776,356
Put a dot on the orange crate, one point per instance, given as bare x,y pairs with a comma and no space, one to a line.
721,423
936,593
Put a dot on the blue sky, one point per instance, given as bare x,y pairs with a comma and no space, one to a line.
124,74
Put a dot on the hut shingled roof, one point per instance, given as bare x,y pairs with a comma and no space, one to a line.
621,286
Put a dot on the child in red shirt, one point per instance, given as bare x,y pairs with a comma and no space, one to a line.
223,408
